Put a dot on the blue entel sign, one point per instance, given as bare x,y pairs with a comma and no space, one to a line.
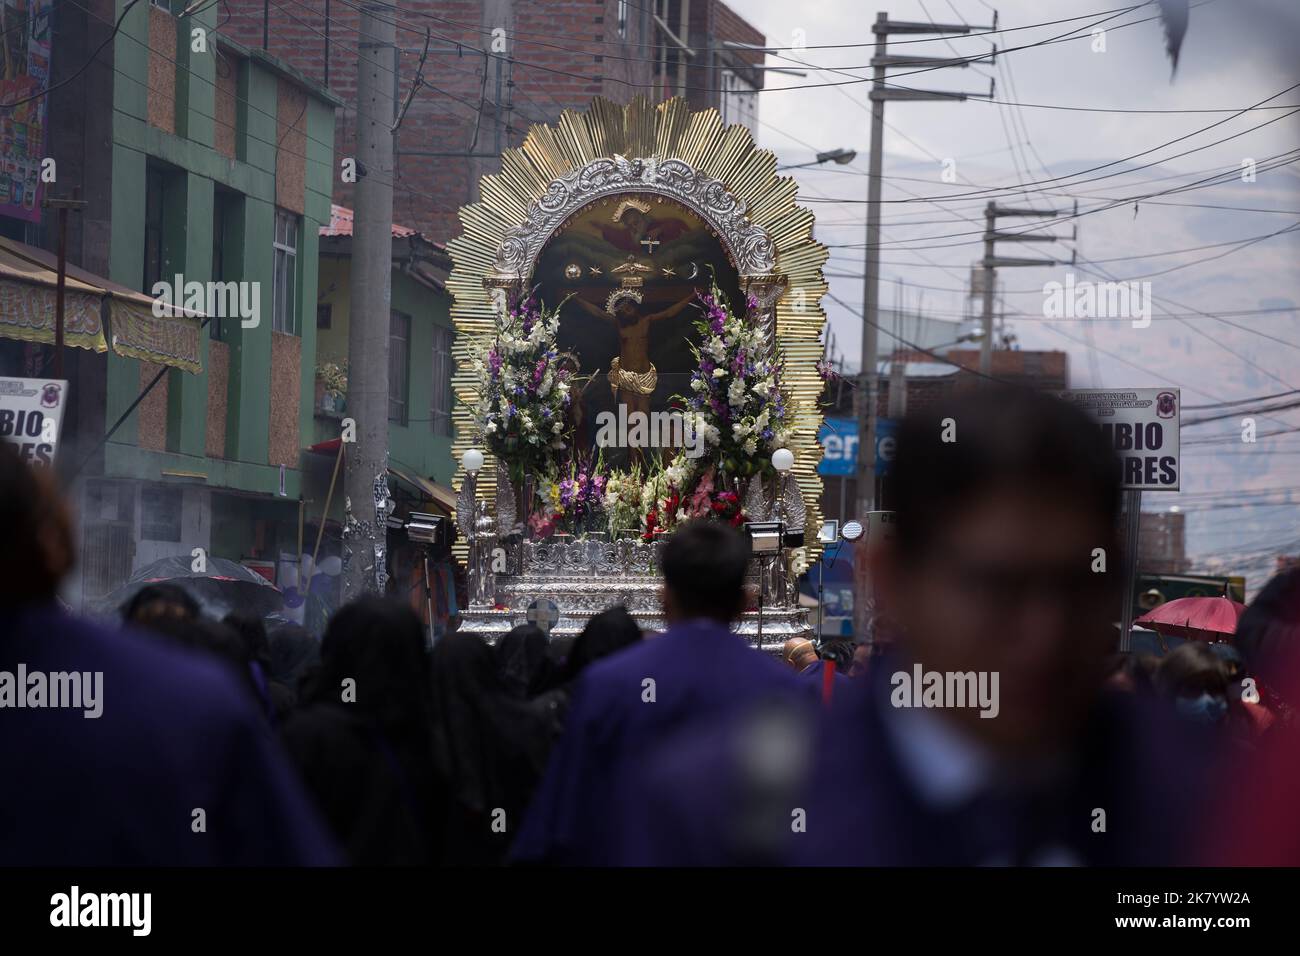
839,440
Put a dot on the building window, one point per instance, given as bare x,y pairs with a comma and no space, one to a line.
160,514
440,394
399,365
223,219
285,280
155,202
324,316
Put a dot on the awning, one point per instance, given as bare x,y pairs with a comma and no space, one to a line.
28,292
440,495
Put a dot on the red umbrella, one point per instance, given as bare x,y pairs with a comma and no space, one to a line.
1195,618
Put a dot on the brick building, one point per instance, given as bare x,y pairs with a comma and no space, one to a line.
1162,543
495,67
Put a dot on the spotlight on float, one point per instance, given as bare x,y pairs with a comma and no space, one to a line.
851,531
425,528
472,461
783,460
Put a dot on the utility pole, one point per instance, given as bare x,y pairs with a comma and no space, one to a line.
867,379
77,204
880,92
991,262
365,481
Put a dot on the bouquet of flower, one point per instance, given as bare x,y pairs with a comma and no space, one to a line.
662,496
623,500
525,395
736,397
710,501
580,497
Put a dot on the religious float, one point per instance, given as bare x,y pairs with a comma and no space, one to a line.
637,298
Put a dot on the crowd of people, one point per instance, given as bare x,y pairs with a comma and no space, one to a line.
221,743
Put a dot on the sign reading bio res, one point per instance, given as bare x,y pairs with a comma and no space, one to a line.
1142,425
31,415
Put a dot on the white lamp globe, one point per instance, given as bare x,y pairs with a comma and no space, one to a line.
472,460
783,459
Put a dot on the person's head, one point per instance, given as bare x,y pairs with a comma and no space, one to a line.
293,652
252,632
377,644
704,564
1004,559
522,659
159,604
38,550
1195,679
465,673
626,310
861,656
605,633
635,220
1268,633
799,652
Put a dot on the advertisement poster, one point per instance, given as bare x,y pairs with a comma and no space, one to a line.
25,28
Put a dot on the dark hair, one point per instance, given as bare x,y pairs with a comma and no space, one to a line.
839,652
1191,668
1270,627
605,633
252,632
379,643
704,565
38,549
160,600
526,668
997,437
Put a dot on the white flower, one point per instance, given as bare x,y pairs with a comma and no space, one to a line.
750,446
557,428
719,372
491,427
698,384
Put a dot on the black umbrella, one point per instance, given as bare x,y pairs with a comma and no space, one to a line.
221,587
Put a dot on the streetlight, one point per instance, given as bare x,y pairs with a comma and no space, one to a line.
841,157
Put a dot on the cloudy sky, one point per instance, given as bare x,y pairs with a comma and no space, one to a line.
1224,324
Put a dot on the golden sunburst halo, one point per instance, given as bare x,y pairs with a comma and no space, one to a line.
650,134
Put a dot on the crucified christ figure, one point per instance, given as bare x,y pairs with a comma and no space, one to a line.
632,372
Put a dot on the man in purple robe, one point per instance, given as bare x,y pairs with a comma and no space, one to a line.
115,748
590,808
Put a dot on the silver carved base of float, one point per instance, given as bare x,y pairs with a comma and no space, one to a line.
584,577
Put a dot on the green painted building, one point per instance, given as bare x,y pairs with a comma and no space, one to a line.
201,159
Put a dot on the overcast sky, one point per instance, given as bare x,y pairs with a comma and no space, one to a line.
1237,53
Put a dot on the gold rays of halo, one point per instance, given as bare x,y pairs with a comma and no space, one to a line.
640,130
